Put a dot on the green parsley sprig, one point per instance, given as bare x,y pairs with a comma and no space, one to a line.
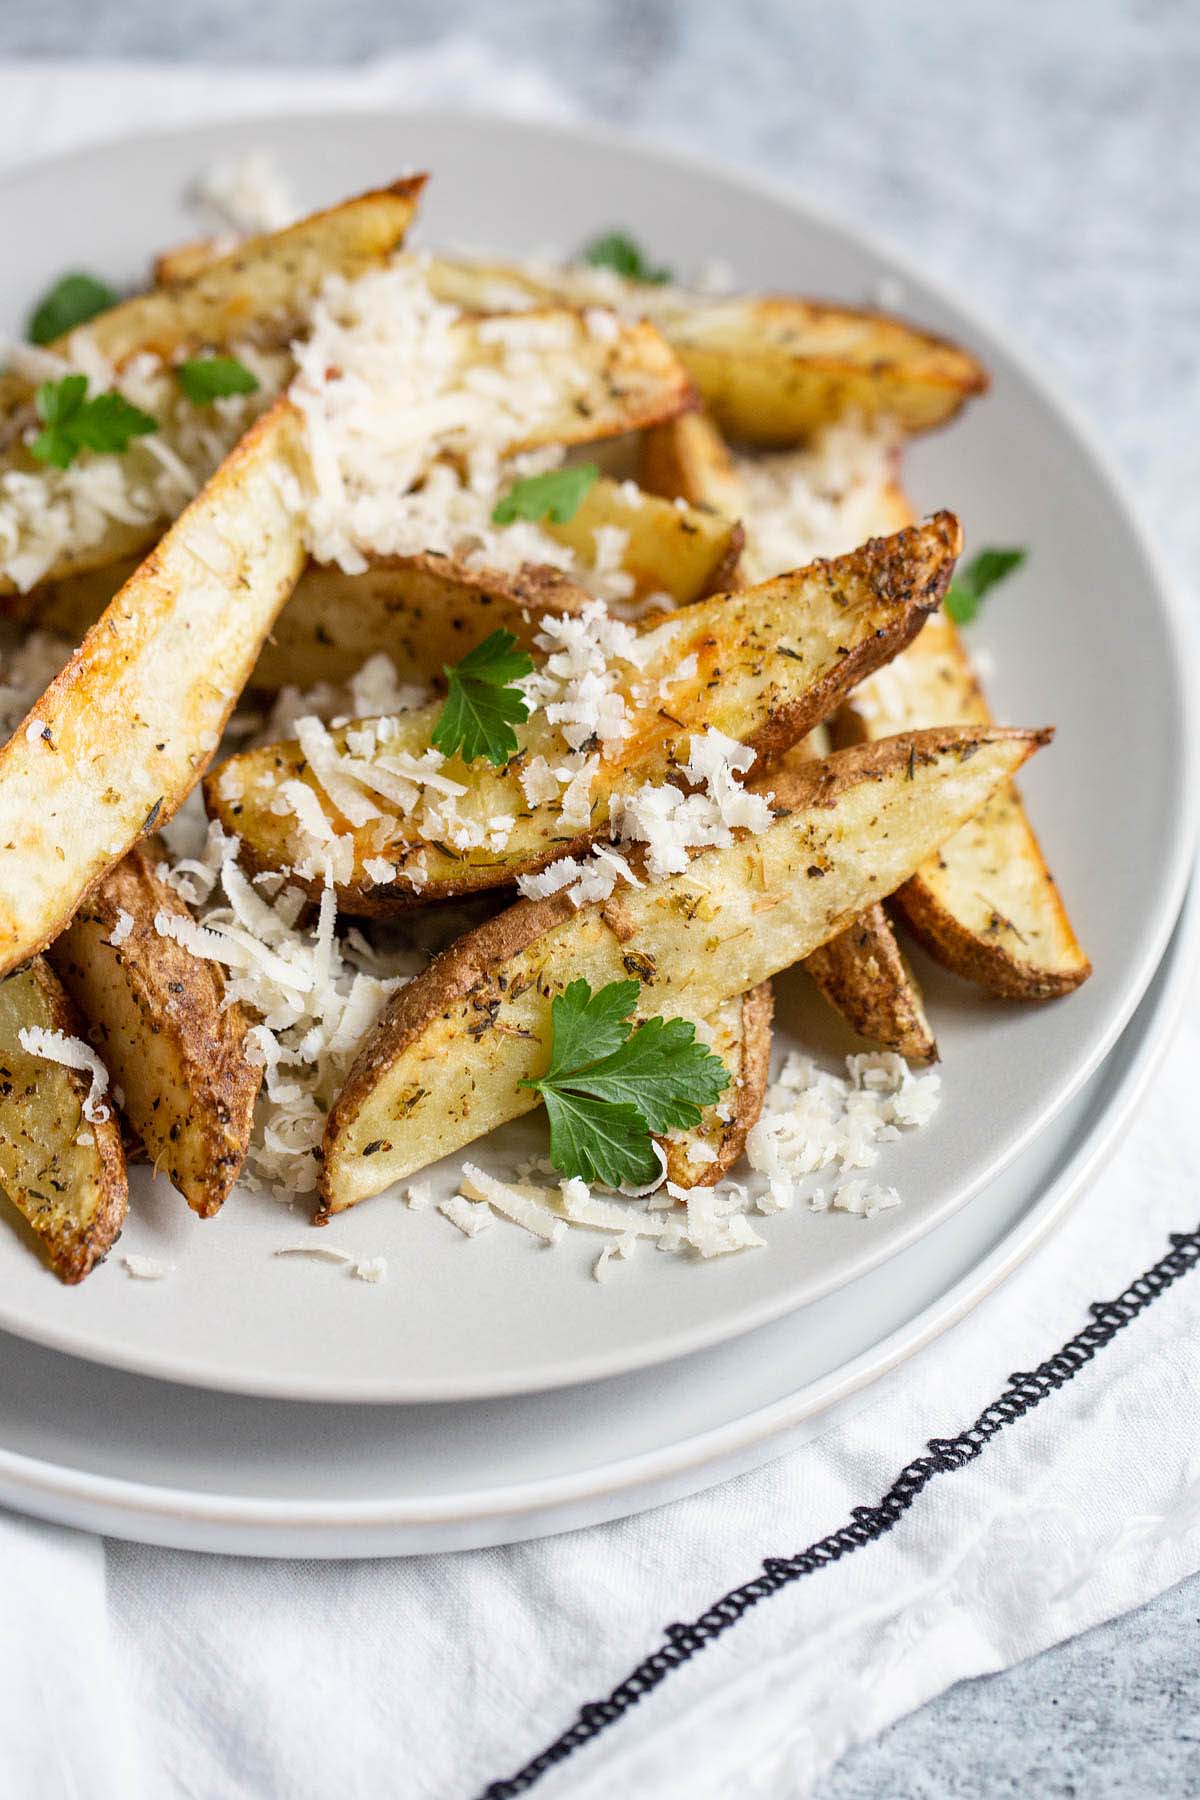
610,1086
966,592
73,300
483,704
556,495
618,251
106,422
208,378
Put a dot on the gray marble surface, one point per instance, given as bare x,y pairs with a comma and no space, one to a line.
1045,159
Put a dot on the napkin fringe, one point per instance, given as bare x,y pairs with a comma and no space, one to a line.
1026,1389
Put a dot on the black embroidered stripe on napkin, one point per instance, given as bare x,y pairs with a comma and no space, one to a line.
867,1524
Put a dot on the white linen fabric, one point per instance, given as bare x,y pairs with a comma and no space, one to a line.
129,1673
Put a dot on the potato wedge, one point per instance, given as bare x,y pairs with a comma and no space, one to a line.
740,1034
65,1175
764,665
688,459
158,1017
183,261
124,732
770,369
986,906
424,611
862,973
683,552
258,295
441,1066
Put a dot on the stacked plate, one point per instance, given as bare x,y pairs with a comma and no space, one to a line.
489,1390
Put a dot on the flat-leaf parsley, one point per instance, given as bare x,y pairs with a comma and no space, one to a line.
981,573
618,251
555,495
72,301
106,423
482,704
610,1086
208,378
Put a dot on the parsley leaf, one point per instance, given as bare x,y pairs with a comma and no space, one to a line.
981,573
106,423
208,378
481,706
618,251
609,1086
555,495
73,300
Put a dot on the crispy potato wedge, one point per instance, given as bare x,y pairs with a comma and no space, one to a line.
770,369
739,1032
257,294
121,736
862,973
986,906
683,552
441,1066
688,459
425,611
422,611
64,1175
158,1017
769,664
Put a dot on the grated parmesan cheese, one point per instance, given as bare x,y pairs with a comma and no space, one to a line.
146,1268
70,1053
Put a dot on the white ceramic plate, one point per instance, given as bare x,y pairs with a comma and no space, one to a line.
1085,638
142,1459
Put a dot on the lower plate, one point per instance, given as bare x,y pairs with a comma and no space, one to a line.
143,1459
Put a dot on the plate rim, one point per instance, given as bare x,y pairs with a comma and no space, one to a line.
196,1520
1165,592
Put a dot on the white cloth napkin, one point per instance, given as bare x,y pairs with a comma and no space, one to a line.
129,1673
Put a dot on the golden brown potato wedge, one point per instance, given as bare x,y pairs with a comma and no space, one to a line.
64,1174
770,369
442,1065
425,611
683,552
688,459
986,906
865,977
739,1032
257,296
123,734
764,665
862,972
158,1017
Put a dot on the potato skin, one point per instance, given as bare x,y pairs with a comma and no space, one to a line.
157,1016
863,975
748,1059
74,1196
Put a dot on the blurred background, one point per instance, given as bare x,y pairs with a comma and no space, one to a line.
1043,160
